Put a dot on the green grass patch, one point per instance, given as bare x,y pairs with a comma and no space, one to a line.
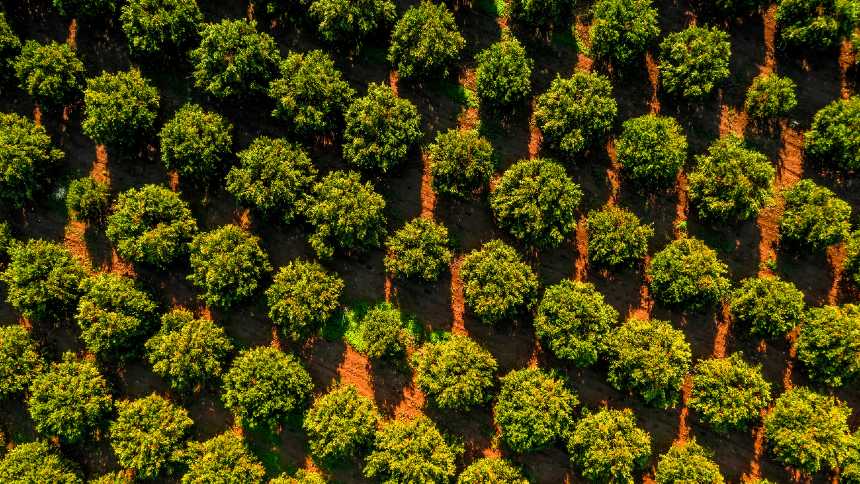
346,326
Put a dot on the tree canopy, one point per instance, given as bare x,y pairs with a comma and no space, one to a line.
829,343
609,446
196,143
503,74
814,216
815,24
425,41
19,360
224,457
50,72
461,162
833,138
340,424
349,22
728,393
410,451
419,250
27,155
770,306
497,284
491,470
159,27
694,61
456,373
688,274
652,150
119,109
302,297
688,462
616,237
621,30
37,462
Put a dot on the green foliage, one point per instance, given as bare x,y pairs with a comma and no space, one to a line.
651,358
302,477
829,344
264,386
491,470
575,321
85,8
771,96
273,176
188,351
621,30
311,93
807,430
814,216
688,462
616,237
19,360
26,157
340,424
6,240
534,409
536,201
10,45
42,280
537,13
380,332
576,112
503,75
160,27
345,214
302,297
69,400
608,446
380,130
461,162
51,72
410,451
150,225
114,316
770,306
497,283
148,435
688,274
456,373
234,59
418,250
425,42
88,200
36,462
816,24
195,143
693,61
227,264
117,477
835,135
851,264
728,393
850,466
351,21
120,108
223,458
652,150
732,181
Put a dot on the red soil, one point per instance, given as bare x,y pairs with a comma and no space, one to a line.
787,375
243,218
654,80
37,114
99,170
769,39
758,450
389,287
355,370
428,196
72,38
836,258
173,180
681,205
581,262
583,34
846,62
458,302
683,425
535,136
393,81
613,173
250,12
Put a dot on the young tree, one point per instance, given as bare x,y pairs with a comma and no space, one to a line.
234,59
534,409
302,297
425,42
731,182
461,162
42,280
815,24
652,150
379,333
311,94
88,200
770,96
537,13
85,8
37,462
411,451
807,430
420,250
223,458
380,130
650,358
536,202
196,143
575,321
69,400
264,386
693,61
814,216
188,351
10,45
148,435
576,112
503,75
828,344
769,306
608,446
616,237
114,316
20,361
119,109
621,30
150,225
456,373
834,137
349,22
227,264
688,462
26,157
497,284
344,214
340,425
688,274
160,27
51,73
727,393
273,177
491,470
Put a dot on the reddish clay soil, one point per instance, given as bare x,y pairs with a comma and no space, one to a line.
535,136
99,170
788,374
836,259
458,302
37,114
846,64
428,196
613,173
581,263
683,415
394,82
681,205
724,328
758,451
769,36
654,81
72,37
